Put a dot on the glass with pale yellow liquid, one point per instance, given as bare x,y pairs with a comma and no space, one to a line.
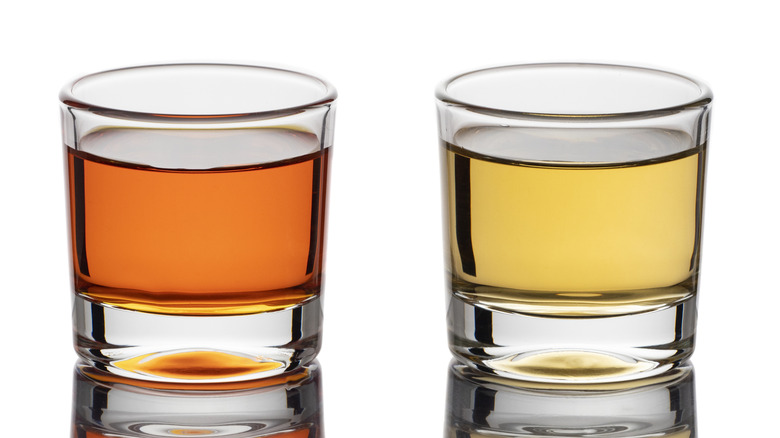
573,199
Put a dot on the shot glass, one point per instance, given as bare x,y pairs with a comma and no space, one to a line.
197,197
572,218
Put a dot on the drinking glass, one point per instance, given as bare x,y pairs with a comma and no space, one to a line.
572,213
197,197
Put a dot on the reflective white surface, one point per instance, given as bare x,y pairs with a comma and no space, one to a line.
384,360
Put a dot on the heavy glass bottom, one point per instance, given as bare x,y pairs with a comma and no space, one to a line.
552,351
481,406
286,406
196,349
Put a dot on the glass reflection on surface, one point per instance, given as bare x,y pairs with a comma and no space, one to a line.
286,406
480,405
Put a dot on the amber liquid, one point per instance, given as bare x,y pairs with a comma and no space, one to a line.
228,240
575,238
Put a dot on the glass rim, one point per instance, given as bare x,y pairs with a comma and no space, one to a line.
703,98
68,96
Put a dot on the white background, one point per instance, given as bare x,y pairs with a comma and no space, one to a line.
384,358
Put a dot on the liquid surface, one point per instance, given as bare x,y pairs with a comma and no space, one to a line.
574,238
223,240
570,366
195,365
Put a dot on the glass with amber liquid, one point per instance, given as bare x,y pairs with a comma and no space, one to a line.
197,197
573,200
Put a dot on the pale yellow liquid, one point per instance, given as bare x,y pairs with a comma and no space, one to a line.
575,239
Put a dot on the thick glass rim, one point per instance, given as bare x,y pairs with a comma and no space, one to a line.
69,95
704,96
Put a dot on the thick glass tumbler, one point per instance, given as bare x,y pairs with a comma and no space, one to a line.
573,205
197,198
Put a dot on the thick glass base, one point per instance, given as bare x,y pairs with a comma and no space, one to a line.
480,406
286,406
564,351
196,349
